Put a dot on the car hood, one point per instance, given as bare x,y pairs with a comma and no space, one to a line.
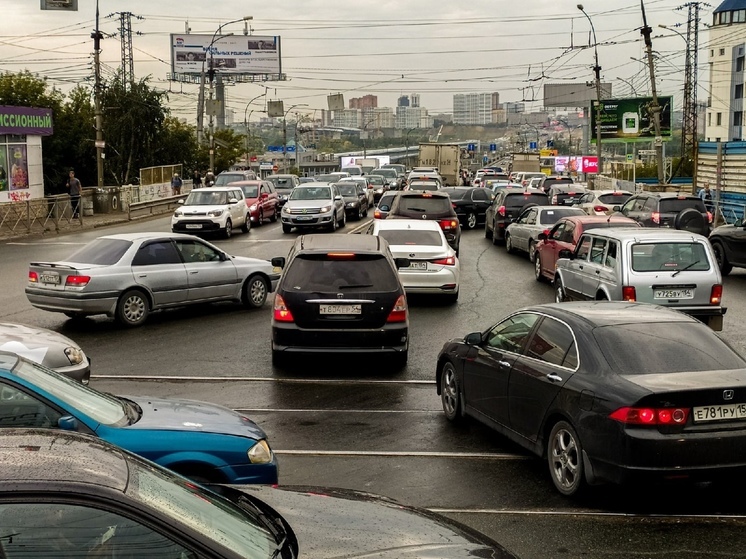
244,261
308,203
350,198
175,414
201,209
36,344
332,523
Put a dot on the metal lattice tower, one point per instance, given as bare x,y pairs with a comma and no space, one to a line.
689,125
125,35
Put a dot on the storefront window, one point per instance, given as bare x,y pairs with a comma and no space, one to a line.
13,163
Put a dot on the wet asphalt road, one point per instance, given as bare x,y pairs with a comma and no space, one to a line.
357,424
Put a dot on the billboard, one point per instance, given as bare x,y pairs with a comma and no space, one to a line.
69,5
275,108
576,164
229,54
25,120
630,120
573,94
336,102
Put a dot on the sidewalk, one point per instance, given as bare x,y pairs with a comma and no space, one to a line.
74,226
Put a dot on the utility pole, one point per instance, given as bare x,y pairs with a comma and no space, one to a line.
125,36
97,36
655,108
597,72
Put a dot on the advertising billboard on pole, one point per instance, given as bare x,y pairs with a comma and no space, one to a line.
228,54
631,120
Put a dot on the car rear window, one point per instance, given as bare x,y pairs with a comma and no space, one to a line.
456,194
519,199
614,199
667,347
105,252
424,204
319,273
548,217
676,205
422,238
654,257
222,179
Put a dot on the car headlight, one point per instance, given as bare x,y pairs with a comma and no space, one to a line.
350,204
260,453
252,207
178,213
75,355
325,209
215,213
285,210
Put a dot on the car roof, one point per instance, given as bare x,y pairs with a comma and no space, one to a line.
223,188
326,243
646,234
565,187
609,313
280,176
428,194
399,224
145,235
47,455
525,191
668,194
597,219
250,182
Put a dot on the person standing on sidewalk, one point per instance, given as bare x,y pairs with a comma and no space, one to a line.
196,179
176,184
76,189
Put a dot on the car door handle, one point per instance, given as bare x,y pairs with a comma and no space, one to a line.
194,272
503,363
598,272
554,378
142,276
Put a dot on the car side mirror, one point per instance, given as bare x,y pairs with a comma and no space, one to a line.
544,235
180,201
67,423
566,253
338,197
475,338
233,201
402,262
278,262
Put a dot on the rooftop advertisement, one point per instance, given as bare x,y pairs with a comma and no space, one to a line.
30,121
227,54
631,120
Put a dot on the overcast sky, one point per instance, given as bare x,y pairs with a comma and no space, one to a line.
383,47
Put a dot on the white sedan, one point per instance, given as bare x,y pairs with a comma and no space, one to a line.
434,268
602,202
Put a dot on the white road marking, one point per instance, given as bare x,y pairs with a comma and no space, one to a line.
539,512
400,454
325,410
260,379
359,227
45,243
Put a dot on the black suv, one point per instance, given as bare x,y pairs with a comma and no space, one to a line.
340,294
507,205
565,194
668,209
550,181
429,205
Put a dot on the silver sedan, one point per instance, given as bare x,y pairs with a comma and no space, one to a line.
523,233
128,276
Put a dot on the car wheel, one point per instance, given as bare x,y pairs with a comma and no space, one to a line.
286,228
531,251
450,392
360,213
344,219
275,214
471,220
495,238
509,244
246,227
333,224
537,268
565,457
255,292
559,291
722,260
487,231
132,308
228,231
366,210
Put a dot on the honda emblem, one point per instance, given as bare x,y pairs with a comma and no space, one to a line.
727,394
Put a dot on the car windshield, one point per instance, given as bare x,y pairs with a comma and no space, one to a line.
388,173
654,257
316,273
326,178
207,514
457,193
614,199
549,217
676,205
311,193
375,179
206,198
519,199
424,204
412,237
102,408
250,190
227,178
664,348
347,189
106,252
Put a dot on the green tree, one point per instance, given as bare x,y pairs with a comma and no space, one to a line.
229,148
177,143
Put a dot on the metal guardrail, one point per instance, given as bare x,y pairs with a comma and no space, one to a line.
50,214
154,207
726,212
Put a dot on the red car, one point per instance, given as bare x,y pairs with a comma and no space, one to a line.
262,200
565,235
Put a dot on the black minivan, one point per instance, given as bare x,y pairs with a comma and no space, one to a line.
340,294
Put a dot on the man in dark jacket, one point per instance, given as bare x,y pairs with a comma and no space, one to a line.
75,189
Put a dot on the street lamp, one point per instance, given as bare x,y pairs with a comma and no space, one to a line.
597,70
631,85
285,136
246,121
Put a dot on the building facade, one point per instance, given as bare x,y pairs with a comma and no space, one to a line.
475,108
378,117
364,102
412,117
348,118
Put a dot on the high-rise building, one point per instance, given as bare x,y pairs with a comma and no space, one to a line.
403,101
415,100
364,102
412,117
375,118
514,108
473,108
348,118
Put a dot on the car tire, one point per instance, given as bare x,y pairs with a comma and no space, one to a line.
565,459
333,224
509,244
532,250
255,291
691,220
399,360
246,227
495,238
722,260
471,220
228,229
450,393
366,210
537,268
275,214
344,219
133,308
559,291
360,213
286,228
487,231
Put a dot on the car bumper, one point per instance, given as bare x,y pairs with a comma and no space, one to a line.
195,226
313,220
70,301
712,316
80,372
252,473
443,281
292,339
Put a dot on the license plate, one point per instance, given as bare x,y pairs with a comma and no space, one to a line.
304,218
340,309
719,413
50,278
673,294
418,265
194,226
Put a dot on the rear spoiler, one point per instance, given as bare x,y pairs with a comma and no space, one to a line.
52,265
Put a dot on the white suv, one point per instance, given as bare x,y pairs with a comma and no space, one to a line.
212,209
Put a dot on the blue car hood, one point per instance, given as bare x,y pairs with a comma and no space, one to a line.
175,414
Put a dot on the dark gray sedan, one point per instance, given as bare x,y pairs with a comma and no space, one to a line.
128,276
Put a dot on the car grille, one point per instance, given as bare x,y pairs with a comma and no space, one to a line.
194,214
303,210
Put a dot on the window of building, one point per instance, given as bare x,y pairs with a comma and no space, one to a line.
738,118
724,17
739,63
739,16
722,52
738,94
719,119
712,53
709,119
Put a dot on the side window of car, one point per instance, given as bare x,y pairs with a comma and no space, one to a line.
553,343
627,207
568,233
511,334
77,530
597,250
556,233
584,247
19,409
586,199
158,252
611,255
651,205
639,205
531,217
194,251
479,195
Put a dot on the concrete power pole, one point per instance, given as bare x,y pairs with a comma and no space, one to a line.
655,108
97,36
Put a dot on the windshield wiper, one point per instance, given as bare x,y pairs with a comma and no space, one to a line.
131,410
416,210
686,268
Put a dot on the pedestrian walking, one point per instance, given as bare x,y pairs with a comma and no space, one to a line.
209,178
705,194
176,184
75,189
196,179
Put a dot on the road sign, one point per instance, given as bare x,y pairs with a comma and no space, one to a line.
493,147
646,151
471,147
532,145
485,159
291,149
274,148
275,168
630,157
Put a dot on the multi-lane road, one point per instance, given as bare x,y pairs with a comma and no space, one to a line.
355,423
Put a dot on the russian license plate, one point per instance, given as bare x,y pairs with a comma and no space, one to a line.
340,309
304,218
673,294
719,413
194,226
418,265
50,278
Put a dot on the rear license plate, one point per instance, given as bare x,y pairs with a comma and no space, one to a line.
340,309
194,226
418,265
673,294
719,413
304,218
50,278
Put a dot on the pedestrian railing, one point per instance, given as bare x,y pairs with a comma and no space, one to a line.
725,211
42,215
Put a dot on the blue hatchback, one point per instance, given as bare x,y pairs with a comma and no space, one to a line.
199,440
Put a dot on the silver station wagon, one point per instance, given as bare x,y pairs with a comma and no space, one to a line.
672,268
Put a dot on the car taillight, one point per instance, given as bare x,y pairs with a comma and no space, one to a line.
599,209
399,312
33,277
448,224
281,311
77,281
709,217
377,214
501,210
453,205
656,217
629,294
449,261
651,416
716,295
